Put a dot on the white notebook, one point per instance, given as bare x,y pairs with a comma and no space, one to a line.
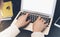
40,6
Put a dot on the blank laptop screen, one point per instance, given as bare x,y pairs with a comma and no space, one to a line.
44,6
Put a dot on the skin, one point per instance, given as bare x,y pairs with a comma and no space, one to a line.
22,21
38,25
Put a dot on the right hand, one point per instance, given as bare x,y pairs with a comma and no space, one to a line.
38,25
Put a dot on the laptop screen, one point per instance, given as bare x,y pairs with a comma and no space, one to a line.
44,6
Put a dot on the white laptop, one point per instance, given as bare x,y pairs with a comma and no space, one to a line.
42,7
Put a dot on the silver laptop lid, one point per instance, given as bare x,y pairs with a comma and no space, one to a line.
42,6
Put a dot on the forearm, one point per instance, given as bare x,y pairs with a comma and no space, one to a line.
11,31
37,34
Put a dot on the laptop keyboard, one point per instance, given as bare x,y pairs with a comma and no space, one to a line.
34,16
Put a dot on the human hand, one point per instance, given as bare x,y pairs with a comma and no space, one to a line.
38,25
22,21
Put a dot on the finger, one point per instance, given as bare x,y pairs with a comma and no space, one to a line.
39,18
21,16
27,14
28,21
46,24
42,20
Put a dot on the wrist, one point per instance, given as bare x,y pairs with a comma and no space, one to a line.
37,30
17,25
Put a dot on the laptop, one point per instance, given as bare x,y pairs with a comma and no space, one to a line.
43,8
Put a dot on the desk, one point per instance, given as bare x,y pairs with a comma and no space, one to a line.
54,31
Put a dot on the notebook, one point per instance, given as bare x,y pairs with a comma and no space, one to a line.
38,7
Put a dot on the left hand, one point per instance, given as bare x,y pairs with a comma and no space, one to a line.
22,21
